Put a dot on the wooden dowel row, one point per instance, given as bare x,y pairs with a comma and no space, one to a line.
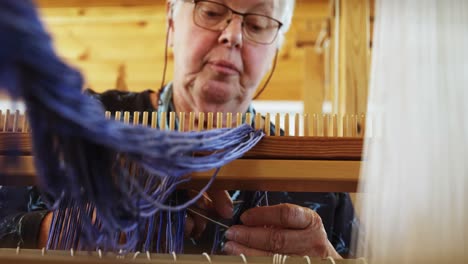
303,125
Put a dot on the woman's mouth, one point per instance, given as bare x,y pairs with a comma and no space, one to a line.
224,67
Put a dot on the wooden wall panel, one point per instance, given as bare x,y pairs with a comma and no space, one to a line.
354,58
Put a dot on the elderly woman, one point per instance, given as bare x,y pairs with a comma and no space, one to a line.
222,51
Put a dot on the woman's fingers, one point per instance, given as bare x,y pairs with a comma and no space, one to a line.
282,215
284,229
189,226
199,225
44,230
286,241
234,248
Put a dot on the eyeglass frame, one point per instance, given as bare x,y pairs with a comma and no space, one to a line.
234,12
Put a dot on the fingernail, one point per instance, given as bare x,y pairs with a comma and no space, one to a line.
229,234
227,248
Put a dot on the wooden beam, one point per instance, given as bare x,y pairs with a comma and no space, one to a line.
354,61
243,174
313,81
35,256
284,175
270,147
275,164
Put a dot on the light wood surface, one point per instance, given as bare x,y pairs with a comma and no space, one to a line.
355,34
26,256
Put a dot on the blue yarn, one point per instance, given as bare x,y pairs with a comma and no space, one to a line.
84,161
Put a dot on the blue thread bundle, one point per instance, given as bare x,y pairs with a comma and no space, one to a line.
111,184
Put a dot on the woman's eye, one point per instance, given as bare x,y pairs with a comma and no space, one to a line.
211,13
255,27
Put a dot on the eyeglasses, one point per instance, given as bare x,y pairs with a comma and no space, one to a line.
216,17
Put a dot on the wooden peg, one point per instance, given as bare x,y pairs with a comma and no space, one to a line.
296,125
315,125
238,119
144,119
248,119
118,116
16,117
154,119
209,121
182,121
136,118
172,120
201,121
286,124
335,125
219,120
126,117
277,124
267,124
345,126
191,121
229,120
326,125
258,121
306,125
5,121
163,121
108,115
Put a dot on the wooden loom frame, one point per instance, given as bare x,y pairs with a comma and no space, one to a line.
276,163
29,256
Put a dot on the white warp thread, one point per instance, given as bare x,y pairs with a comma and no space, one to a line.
414,180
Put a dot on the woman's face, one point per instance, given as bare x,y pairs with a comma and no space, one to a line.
218,71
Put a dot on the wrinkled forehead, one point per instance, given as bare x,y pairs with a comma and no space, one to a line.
271,8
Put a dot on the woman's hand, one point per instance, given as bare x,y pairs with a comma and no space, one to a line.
280,229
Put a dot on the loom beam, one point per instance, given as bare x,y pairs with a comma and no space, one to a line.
303,164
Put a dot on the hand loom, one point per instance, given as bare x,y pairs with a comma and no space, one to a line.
320,160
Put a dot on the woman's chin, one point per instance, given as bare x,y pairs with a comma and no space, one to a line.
218,92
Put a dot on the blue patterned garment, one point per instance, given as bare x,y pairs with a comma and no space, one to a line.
22,211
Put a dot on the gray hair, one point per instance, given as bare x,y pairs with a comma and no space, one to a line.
286,18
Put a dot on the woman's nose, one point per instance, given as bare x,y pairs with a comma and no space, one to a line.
232,34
